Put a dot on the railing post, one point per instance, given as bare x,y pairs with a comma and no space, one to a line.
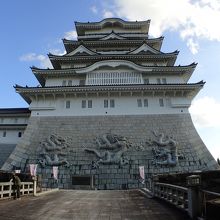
194,196
155,180
35,185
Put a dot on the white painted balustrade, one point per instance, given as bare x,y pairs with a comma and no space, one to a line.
6,189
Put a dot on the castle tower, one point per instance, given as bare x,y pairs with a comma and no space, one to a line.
112,103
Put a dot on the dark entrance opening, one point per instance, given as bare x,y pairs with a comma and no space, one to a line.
82,182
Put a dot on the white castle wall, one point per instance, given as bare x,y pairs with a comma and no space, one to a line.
9,132
152,79
11,136
123,106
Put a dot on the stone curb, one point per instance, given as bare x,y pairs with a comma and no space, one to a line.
47,192
146,192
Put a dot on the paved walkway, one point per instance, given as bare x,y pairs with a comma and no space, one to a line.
88,205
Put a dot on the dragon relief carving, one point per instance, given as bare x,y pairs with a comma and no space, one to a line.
53,151
165,150
111,150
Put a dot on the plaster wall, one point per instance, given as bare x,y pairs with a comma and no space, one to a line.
152,79
11,136
123,106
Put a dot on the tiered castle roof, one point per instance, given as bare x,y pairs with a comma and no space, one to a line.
112,44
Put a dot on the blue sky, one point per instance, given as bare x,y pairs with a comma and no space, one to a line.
32,29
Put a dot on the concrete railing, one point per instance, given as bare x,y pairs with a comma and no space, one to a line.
192,199
6,189
173,194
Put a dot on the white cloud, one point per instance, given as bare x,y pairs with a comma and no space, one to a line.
94,9
44,60
193,46
107,14
58,52
192,19
70,35
206,112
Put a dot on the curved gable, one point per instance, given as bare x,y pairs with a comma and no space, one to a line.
81,50
112,36
144,48
113,64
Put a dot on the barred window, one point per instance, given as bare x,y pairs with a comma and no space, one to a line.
89,103
139,102
146,81
161,102
158,81
164,80
105,103
68,104
83,103
69,82
112,103
145,102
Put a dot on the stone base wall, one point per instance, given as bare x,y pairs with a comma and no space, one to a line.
81,133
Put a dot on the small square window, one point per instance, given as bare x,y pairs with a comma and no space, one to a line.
164,80
145,102
139,102
112,103
19,134
81,82
89,103
83,103
105,103
161,102
146,81
68,104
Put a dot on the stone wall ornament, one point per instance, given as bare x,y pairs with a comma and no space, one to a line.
53,151
164,150
111,150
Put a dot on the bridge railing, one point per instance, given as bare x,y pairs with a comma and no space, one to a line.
7,191
193,199
173,194
210,204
